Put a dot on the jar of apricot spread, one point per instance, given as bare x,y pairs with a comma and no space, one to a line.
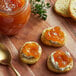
14,14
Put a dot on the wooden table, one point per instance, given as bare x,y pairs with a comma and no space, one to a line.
32,32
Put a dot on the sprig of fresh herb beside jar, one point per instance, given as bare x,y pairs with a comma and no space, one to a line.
39,7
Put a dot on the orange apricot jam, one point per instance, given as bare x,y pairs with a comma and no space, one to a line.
31,49
62,58
14,14
55,35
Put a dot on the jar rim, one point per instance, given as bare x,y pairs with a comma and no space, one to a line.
17,11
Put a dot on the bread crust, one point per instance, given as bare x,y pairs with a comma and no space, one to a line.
71,14
49,43
30,60
51,67
59,13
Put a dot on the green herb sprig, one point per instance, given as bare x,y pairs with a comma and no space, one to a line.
39,7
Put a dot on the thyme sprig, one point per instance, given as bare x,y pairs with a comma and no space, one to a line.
39,7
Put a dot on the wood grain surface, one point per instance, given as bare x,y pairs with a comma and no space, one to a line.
32,32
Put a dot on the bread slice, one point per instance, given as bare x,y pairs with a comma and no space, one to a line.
72,9
30,60
51,67
51,43
62,7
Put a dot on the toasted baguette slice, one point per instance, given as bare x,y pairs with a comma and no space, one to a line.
49,42
62,7
51,67
72,8
30,60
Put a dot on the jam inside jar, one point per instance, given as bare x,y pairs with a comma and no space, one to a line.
14,14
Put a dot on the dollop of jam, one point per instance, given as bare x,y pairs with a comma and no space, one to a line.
55,35
31,49
63,59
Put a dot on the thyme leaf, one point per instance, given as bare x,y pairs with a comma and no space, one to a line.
39,7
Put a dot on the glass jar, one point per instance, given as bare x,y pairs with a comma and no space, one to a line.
13,16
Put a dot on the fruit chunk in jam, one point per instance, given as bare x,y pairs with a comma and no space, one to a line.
11,5
55,35
62,58
31,49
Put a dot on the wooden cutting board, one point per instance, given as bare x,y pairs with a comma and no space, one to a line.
32,32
